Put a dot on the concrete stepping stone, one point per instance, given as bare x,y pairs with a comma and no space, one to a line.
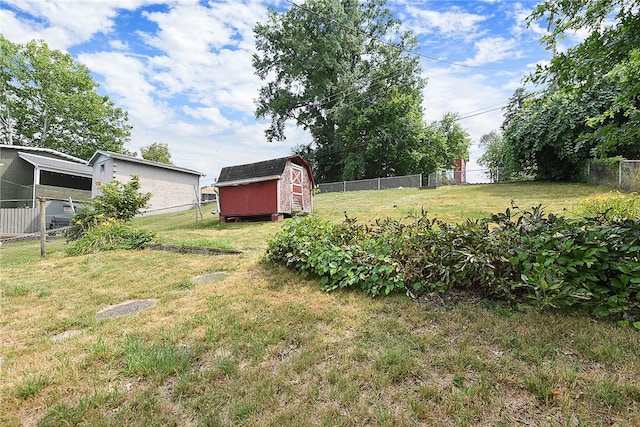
208,277
66,335
125,308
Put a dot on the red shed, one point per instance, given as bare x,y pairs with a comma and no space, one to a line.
272,188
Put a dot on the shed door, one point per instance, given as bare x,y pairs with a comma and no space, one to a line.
297,181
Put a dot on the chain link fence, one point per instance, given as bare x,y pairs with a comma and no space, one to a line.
386,183
21,238
629,175
624,175
434,180
471,176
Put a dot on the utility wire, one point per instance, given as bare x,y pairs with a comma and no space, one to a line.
480,113
457,64
345,94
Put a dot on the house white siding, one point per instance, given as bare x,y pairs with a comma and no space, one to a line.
172,190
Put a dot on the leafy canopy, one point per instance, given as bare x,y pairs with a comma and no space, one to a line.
47,100
341,69
589,105
157,152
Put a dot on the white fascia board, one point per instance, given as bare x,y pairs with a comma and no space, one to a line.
247,181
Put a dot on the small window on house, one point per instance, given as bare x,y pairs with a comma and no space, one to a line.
101,168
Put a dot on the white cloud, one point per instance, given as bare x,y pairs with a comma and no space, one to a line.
63,23
211,114
493,49
125,81
119,45
185,75
454,23
466,94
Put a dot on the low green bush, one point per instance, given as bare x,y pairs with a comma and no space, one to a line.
341,255
110,235
527,258
612,207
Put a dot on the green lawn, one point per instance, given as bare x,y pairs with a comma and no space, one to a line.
262,346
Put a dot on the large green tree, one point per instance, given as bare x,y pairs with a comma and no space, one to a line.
457,140
157,152
547,137
48,100
342,70
588,106
611,53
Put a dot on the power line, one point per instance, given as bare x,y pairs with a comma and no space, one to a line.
457,64
480,113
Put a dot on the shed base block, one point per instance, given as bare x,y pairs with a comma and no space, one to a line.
251,218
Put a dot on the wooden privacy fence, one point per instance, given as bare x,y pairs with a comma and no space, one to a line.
19,220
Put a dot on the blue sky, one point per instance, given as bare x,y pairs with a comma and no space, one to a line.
182,68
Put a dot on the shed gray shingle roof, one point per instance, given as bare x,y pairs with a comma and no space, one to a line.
57,165
260,171
268,169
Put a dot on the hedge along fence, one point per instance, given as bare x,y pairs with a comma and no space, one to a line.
529,259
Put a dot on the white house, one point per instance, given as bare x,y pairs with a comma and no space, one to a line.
173,188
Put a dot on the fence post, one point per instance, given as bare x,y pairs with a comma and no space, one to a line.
43,229
620,174
378,183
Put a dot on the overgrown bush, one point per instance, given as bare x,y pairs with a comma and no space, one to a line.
110,235
102,224
527,258
339,254
117,201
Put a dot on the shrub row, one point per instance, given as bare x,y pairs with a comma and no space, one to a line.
523,257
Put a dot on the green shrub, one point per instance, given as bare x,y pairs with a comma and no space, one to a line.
340,255
120,201
528,258
116,201
613,207
110,235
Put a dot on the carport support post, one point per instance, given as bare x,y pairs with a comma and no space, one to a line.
43,228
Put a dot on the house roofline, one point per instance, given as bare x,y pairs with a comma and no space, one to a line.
124,157
55,168
43,150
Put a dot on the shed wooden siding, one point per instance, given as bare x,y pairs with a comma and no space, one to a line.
286,195
256,199
264,188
